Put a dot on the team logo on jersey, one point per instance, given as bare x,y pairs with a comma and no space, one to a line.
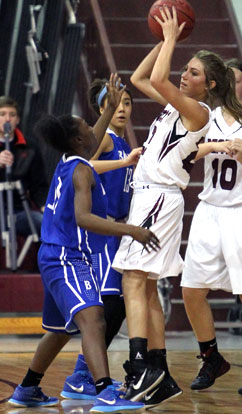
171,141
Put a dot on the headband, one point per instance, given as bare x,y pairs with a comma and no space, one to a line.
103,93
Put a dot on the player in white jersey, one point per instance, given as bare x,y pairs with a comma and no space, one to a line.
157,203
214,253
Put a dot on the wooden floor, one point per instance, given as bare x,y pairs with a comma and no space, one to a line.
221,398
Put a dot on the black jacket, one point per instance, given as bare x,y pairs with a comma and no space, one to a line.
28,167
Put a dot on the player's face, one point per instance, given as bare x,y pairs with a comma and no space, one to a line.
193,80
238,83
88,144
121,115
8,114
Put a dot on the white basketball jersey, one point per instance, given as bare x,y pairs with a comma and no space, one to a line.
169,152
223,174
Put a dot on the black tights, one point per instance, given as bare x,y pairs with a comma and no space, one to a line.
114,312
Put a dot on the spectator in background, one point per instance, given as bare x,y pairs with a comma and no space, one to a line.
26,165
236,65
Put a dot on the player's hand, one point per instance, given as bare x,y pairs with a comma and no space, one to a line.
236,148
169,23
224,146
6,159
147,238
133,157
115,91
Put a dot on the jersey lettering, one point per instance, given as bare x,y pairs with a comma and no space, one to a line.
128,177
88,286
57,196
228,173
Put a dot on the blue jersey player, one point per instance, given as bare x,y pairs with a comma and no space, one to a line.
75,214
118,191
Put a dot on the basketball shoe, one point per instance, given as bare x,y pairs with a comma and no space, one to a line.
31,397
140,379
112,400
240,391
165,391
80,385
214,365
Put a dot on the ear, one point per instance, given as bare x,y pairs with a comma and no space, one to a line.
212,84
77,140
101,109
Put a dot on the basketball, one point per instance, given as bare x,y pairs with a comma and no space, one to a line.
185,13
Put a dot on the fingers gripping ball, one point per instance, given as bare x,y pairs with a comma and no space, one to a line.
185,13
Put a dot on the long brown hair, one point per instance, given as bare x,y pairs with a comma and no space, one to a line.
223,93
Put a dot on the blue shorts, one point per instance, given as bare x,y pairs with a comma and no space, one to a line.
110,281
70,285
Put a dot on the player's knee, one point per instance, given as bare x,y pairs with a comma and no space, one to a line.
187,294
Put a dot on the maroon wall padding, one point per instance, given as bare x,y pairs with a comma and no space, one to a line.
21,293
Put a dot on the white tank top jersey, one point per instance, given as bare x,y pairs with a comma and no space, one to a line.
169,151
223,174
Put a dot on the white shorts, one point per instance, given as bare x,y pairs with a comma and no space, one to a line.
214,253
159,209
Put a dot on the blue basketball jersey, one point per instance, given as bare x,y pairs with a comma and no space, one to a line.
117,182
59,225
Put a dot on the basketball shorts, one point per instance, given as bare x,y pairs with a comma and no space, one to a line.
70,285
109,279
160,209
213,257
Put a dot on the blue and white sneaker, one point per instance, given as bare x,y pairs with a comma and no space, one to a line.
111,400
31,397
79,386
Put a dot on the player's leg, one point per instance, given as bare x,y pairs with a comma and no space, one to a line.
28,393
140,378
232,247
204,269
168,388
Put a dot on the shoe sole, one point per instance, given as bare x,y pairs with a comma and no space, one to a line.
140,395
148,406
17,403
198,388
119,409
76,396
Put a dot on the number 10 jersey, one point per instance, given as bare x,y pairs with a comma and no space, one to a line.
223,174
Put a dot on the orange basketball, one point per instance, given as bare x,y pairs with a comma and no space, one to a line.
185,13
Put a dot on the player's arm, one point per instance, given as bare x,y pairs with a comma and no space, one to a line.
83,182
106,145
102,166
195,116
207,147
141,76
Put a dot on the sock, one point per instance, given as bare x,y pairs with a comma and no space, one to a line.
31,378
208,346
102,383
81,364
157,359
138,350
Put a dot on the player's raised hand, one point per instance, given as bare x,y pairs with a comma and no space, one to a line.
114,90
169,23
